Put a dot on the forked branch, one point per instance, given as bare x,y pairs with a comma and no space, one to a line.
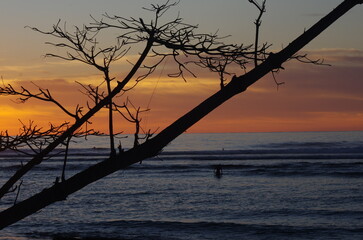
153,146
42,94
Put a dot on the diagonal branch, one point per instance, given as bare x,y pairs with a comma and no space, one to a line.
152,147
39,157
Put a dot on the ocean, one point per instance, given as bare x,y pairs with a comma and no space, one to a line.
305,185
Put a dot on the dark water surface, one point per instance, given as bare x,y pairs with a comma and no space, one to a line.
274,186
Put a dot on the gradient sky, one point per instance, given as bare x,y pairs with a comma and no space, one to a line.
313,98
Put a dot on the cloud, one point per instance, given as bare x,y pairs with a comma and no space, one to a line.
338,56
312,98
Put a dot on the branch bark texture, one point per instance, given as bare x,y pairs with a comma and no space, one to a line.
152,147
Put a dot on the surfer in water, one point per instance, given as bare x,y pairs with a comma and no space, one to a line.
218,170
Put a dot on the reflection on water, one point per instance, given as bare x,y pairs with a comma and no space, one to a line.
269,190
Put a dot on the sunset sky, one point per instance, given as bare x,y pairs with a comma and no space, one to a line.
313,98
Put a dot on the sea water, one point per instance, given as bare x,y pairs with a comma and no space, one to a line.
274,186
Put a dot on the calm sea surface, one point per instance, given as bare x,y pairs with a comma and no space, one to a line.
274,186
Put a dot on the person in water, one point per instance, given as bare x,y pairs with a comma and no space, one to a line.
218,170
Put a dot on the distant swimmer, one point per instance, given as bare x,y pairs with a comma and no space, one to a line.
218,172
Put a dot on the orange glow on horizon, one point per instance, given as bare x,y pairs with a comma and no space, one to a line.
313,99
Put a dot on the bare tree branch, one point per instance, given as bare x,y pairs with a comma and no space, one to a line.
262,9
42,94
181,40
62,137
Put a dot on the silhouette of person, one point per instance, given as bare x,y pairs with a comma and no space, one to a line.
218,170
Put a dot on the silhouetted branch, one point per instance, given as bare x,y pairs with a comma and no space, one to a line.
181,40
82,45
30,136
262,9
42,94
63,177
305,59
18,191
133,118
78,123
185,45
93,93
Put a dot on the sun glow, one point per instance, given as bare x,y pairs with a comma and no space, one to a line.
312,98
